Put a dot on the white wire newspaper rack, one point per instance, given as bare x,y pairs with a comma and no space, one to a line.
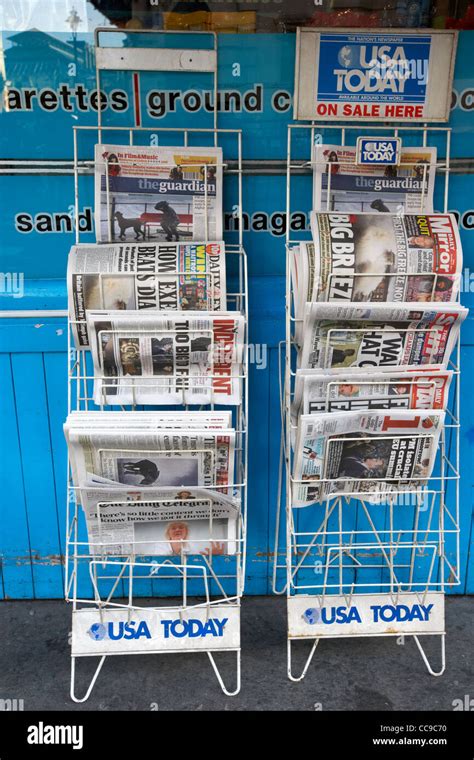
112,590
347,560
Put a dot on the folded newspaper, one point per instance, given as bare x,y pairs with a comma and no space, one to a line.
384,257
166,358
166,193
140,457
144,276
333,391
369,454
379,335
160,521
340,184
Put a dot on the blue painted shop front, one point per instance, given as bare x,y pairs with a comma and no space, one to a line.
50,85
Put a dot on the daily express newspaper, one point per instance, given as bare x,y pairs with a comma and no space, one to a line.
144,276
160,522
139,458
340,184
185,358
365,453
379,335
386,257
163,193
333,391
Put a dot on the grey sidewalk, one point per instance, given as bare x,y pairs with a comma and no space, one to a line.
356,674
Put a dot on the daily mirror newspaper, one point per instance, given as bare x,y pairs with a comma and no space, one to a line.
163,193
370,454
164,522
379,335
333,391
385,257
179,458
340,184
167,358
144,276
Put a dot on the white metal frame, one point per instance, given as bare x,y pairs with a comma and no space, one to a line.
80,553
440,531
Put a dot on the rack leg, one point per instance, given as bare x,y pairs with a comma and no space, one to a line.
91,685
307,663
219,677
426,661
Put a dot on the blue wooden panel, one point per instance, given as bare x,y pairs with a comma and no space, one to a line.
33,416
15,540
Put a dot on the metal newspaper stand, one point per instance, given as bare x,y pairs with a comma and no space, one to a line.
346,553
209,587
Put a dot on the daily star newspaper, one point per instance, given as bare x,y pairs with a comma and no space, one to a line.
166,358
137,457
144,276
385,257
379,335
333,391
163,193
160,521
340,184
371,454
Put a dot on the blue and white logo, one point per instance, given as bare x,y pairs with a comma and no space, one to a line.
97,632
347,56
378,151
312,615
119,630
373,68
194,628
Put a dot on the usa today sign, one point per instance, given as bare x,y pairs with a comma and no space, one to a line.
152,631
374,75
374,614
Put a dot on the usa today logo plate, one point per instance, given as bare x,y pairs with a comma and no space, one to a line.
149,631
378,151
374,614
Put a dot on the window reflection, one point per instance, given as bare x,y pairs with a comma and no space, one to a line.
223,16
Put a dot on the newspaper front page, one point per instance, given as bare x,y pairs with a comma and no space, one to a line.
379,335
185,358
340,184
326,391
160,522
139,458
144,276
163,193
385,257
365,453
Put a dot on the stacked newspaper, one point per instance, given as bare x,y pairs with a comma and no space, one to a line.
368,257
149,301
371,454
166,358
377,319
156,480
340,184
163,193
146,277
169,521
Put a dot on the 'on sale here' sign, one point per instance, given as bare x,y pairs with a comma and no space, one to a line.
374,76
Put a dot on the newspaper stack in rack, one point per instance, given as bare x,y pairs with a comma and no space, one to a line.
166,358
155,483
377,319
144,276
150,303
168,192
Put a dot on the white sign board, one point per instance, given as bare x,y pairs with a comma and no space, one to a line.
374,614
374,75
150,631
